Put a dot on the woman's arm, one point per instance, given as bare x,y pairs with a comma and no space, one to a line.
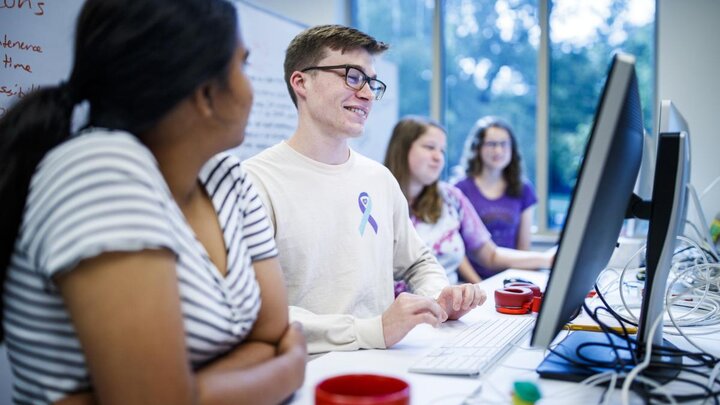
467,272
523,236
270,326
499,258
227,381
126,311
272,321
268,379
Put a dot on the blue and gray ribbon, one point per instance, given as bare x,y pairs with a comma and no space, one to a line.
365,204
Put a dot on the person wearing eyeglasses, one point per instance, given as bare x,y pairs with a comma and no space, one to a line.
441,214
495,186
340,220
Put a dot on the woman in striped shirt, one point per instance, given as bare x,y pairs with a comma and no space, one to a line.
137,261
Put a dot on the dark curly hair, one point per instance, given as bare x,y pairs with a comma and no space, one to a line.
513,173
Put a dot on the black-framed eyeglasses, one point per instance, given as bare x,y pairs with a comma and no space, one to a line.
496,144
355,78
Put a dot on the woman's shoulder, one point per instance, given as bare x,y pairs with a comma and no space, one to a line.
527,186
93,152
99,191
464,182
224,165
528,190
450,193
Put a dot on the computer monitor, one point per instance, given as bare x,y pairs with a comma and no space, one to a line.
668,209
670,118
672,121
602,196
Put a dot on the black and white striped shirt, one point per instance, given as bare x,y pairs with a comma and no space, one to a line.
100,192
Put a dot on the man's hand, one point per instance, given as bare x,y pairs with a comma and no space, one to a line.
408,311
458,300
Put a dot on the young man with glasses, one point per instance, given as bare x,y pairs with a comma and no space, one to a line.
341,222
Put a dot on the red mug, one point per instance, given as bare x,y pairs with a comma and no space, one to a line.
362,389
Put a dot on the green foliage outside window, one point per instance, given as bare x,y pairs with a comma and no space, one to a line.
491,64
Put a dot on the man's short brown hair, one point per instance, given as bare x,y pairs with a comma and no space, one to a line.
311,45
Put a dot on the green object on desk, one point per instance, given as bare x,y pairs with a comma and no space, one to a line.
525,393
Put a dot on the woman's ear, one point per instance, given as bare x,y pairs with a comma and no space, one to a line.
202,99
297,82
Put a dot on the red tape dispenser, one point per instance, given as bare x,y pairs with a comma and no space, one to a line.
518,298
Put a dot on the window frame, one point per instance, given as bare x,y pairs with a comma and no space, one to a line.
542,231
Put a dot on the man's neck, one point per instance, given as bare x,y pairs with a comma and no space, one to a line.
324,149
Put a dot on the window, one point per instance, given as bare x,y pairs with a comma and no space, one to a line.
407,26
491,63
491,69
582,35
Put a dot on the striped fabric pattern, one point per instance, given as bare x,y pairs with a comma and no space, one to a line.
102,191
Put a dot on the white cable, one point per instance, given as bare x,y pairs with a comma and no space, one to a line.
704,300
694,227
611,386
709,187
622,282
582,386
704,304
696,246
625,393
713,375
713,313
668,302
658,387
700,304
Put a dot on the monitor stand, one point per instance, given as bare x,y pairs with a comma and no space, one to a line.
557,368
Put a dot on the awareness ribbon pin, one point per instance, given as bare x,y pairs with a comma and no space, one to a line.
365,204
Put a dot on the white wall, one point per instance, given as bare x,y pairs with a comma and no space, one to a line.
309,12
688,74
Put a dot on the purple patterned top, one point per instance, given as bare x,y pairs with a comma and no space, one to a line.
458,228
501,216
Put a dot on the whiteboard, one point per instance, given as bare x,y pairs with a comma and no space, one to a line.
37,50
273,116
36,45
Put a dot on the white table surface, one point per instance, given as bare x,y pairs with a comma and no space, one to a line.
492,388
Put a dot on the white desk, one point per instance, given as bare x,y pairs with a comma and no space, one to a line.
519,364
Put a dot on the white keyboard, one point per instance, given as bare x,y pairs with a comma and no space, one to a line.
477,348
